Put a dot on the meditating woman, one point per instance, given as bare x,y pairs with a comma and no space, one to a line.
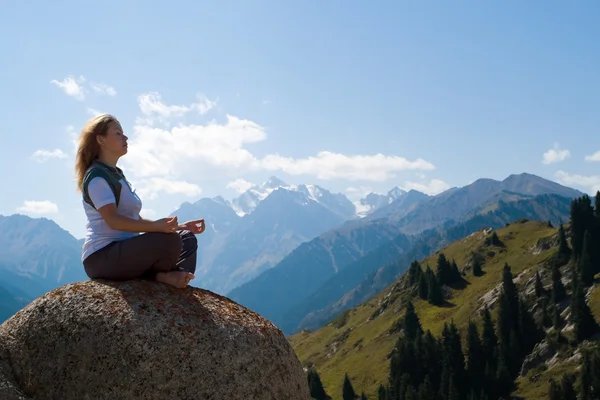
119,243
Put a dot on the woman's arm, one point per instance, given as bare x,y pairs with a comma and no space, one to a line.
104,201
122,223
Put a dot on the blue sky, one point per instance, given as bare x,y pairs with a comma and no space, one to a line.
350,95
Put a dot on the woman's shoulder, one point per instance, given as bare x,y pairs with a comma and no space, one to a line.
99,170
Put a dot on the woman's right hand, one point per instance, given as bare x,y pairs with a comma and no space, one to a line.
166,225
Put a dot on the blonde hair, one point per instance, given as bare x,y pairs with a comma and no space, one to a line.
88,148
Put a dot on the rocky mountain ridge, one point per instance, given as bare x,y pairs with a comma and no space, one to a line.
305,270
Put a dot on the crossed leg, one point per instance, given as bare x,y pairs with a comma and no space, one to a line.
166,257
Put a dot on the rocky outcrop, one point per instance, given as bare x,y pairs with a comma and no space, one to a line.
144,340
542,352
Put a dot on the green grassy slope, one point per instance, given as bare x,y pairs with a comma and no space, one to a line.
359,341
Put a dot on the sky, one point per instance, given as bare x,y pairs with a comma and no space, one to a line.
353,96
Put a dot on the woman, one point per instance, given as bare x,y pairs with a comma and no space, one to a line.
114,248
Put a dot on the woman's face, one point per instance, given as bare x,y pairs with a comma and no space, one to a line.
115,141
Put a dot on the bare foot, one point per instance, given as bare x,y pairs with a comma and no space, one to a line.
178,279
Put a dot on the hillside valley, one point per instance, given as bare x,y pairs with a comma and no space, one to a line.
547,265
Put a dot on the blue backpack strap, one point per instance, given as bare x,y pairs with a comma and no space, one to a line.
110,174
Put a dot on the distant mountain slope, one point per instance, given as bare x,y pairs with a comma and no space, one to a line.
311,264
401,205
300,274
37,255
281,222
367,277
457,203
259,228
11,300
374,201
359,341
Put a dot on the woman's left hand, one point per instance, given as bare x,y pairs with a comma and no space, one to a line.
193,227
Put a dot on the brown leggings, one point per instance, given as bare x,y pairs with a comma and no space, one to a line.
143,256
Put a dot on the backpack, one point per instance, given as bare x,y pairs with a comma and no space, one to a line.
110,174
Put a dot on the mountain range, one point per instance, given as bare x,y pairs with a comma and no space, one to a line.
255,231
291,253
301,284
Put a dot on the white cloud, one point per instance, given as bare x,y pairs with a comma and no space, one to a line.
32,207
93,112
591,183
240,185
45,155
103,88
72,86
186,151
149,188
555,155
152,104
593,157
328,165
159,152
433,187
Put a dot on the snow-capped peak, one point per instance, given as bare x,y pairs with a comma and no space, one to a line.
374,201
395,193
273,183
247,201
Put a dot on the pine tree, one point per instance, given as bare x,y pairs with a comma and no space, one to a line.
546,319
412,325
556,320
554,390
539,287
455,273
529,332
585,266
426,391
444,270
582,219
475,357
414,272
589,386
510,289
568,389
315,385
489,340
508,306
434,289
504,382
558,289
477,263
453,359
583,320
597,205
424,284
382,393
493,240
564,251
347,389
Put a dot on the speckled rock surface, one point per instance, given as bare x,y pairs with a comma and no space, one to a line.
145,340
